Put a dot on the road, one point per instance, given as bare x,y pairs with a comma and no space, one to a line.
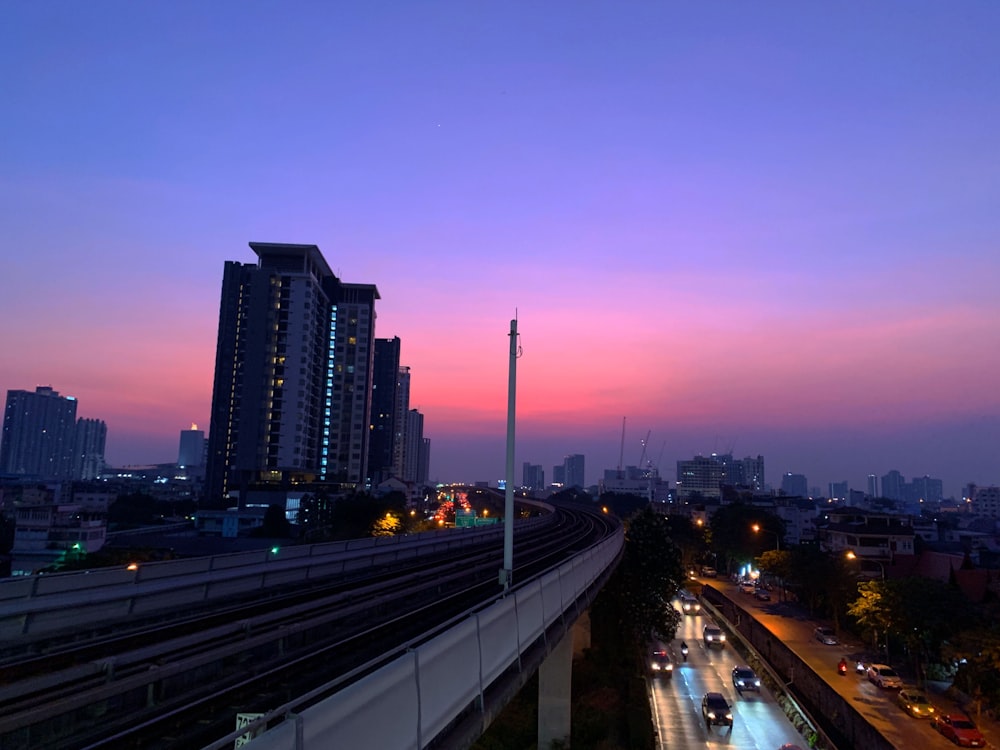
758,722
796,629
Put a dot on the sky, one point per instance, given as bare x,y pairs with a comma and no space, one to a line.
761,228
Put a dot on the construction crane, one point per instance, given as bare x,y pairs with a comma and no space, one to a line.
645,442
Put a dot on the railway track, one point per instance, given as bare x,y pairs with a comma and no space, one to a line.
180,684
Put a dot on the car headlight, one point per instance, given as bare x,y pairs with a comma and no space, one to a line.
711,714
729,717
669,667
756,683
722,637
655,666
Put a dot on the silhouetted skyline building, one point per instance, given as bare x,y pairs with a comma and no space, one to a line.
794,485
91,438
385,380
39,434
291,399
191,448
533,476
573,471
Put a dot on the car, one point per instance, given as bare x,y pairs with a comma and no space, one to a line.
747,587
661,663
884,676
708,571
826,635
713,636
915,703
715,710
690,605
745,678
761,595
959,728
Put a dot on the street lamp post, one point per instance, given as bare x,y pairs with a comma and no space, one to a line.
850,555
757,528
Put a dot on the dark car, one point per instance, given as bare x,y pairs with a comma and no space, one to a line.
745,678
713,636
761,595
661,663
715,710
959,729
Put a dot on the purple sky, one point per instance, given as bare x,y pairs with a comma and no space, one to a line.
772,227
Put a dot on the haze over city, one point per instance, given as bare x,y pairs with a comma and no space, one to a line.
762,228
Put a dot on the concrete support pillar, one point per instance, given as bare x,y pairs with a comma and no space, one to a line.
555,677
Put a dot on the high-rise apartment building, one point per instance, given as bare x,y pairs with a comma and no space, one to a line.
414,447
573,467
91,437
533,476
39,434
385,379
291,398
191,449
401,411
872,485
894,486
794,485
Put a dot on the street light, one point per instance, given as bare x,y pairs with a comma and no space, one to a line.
757,528
850,555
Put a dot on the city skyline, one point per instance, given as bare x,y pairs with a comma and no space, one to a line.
766,230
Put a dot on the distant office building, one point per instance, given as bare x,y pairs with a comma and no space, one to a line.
91,436
838,491
400,412
794,485
749,473
573,471
924,490
191,450
385,380
894,486
414,446
533,476
559,474
291,400
702,475
873,486
985,501
424,464
39,434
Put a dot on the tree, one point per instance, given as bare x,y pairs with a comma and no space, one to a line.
874,609
733,538
651,575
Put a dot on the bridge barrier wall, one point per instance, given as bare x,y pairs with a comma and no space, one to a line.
37,605
407,703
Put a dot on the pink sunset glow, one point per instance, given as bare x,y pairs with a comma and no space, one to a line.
771,232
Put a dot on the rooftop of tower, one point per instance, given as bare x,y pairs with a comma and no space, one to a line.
309,254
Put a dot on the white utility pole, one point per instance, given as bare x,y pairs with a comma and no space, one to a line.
506,574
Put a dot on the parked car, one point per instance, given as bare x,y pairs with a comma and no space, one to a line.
959,729
747,587
745,678
761,595
884,676
826,635
715,710
713,636
690,605
661,663
708,571
915,703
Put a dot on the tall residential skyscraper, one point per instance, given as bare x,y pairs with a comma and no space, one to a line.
573,467
385,380
413,453
291,398
91,436
402,409
39,434
191,449
872,486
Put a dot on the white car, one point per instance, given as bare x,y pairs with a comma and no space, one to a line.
884,676
748,587
826,635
